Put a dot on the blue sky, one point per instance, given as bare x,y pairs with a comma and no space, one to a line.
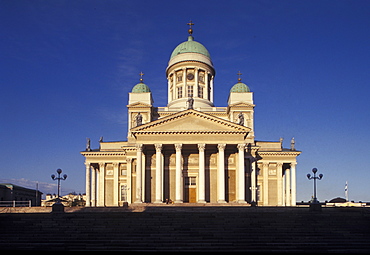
66,68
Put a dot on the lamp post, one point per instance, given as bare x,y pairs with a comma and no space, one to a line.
58,206
315,205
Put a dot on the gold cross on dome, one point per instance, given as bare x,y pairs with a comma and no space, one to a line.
239,78
141,76
190,24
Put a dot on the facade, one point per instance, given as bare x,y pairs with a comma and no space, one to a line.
191,151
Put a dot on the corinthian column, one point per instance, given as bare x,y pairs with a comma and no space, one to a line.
221,174
202,178
241,174
158,174
88,184
293,187
178,174
139,150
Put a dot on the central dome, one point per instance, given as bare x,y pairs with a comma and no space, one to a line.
190,46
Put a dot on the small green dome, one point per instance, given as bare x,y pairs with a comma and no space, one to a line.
190,46
240,88
140,88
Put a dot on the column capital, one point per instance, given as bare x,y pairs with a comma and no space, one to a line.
293,164
221,146
129,160
201,146
178,146
241,146
265,164
158,147
87,164
101,164
139,146
115,164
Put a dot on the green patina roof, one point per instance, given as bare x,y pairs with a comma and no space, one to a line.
240,88
140,88
190,46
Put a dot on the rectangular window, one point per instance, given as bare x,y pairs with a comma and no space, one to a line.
190,91
190,181
200,91
179,92
124,193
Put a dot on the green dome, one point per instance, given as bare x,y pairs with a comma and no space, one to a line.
190,46
140,88
240,88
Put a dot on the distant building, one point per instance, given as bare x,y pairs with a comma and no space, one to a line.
10,192
191,151
71,199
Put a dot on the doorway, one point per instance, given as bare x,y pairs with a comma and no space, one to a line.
190,195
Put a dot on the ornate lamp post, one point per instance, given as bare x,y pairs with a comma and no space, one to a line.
58,206
315,205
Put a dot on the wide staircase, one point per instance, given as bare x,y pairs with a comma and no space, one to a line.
176,228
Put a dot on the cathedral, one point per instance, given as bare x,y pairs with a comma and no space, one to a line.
191,151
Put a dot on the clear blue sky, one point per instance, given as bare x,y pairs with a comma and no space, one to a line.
66,68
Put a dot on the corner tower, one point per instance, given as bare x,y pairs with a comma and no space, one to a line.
190,74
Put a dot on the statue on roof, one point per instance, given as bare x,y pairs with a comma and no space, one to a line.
139,119
241,119
292,144
88,143
190,103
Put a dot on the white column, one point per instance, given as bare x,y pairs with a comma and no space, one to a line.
279,179
287,187
88,184
265,183
129,183
101,193
169,96
178,174
221,174
211,89
201,175
184,80
196,85
293,187
115,183
241,174
139,150
93,186
158,174
253,182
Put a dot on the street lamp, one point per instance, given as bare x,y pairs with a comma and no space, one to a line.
59,171
315,205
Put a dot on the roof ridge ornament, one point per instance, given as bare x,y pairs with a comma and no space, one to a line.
141,77
239,76
190,30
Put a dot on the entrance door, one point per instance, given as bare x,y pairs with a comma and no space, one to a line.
190,189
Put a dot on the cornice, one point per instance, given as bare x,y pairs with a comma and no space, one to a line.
279,153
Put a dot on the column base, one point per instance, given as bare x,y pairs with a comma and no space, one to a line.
178,202
221,202
242,202
158,202
202,202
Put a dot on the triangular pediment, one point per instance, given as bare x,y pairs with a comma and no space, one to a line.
190,121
